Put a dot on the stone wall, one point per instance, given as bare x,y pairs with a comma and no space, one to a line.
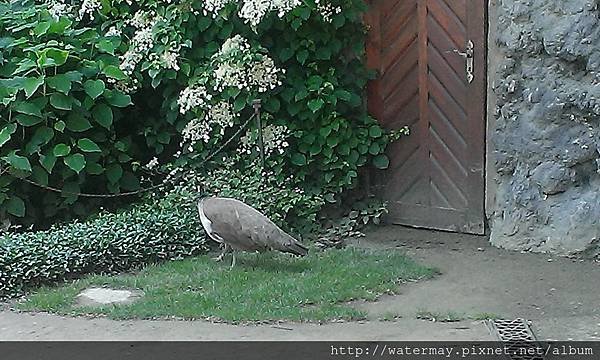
544,133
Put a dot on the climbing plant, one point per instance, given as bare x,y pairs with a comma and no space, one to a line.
192,70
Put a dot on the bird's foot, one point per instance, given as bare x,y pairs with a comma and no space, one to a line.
219,258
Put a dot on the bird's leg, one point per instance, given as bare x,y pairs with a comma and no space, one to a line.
232,260
226,249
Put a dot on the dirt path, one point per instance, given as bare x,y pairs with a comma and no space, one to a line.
560,296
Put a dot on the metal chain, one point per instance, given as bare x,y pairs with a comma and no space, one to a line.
151,188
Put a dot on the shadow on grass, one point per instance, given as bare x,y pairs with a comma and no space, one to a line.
270,263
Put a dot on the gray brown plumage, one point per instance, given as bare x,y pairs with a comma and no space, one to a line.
241,227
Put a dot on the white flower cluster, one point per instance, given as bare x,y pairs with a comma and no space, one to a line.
170,56
58,8
196,130
126,87
221,114
213,7
88,7
234,69
193,97
142,41
113,31
274,140
327,10
168,59
152,163
264,75
253,11
235,45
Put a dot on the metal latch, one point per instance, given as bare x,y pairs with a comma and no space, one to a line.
468,55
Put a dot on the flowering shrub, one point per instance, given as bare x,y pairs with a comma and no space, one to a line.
193,69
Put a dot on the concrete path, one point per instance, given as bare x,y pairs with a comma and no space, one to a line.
15,326
560,296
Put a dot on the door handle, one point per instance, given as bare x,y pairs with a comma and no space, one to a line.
468,55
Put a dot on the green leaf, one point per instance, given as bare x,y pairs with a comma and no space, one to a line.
314,82
29,108
303,12
339,20
30,85
272,105
6,133
76,162
315,105
129,182
239,103
18,162
61,150
114,172
59,27
42,136
375,131
59,56
15,206
77,123
286,54
61,101
301,56
27,120
117,98
323,53
94,168
6,42
374,149
299,159
40,175
381,161
24,66
332,141
88,145
74,76
330,198
106,46
325,131
41,28
343,95
103,115
60,82
114,72
48,162
60,126
203,23
94,88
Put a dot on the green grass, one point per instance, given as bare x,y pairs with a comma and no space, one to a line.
486,316
262,287
389,316
449,316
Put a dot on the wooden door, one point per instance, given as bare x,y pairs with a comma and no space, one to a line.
436,175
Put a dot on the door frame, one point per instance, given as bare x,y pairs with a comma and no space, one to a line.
483,96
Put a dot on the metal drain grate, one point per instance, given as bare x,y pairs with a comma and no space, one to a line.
518,338
512,330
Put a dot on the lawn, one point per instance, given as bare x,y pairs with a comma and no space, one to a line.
262,287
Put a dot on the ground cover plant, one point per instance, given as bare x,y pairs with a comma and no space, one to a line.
261,287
